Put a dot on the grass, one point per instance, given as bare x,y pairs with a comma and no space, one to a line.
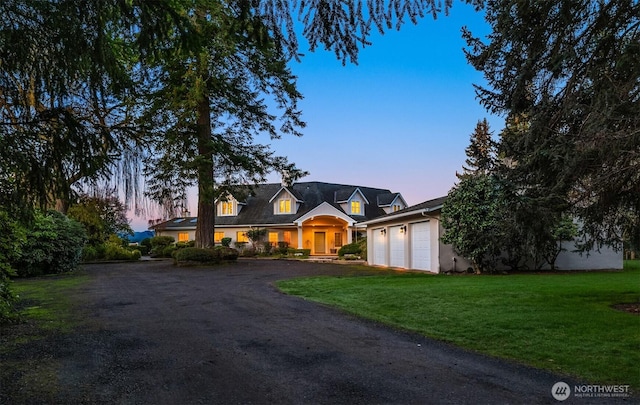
564,323
45,300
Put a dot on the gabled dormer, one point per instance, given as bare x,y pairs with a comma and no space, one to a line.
228,206
351,200
285,202
391,202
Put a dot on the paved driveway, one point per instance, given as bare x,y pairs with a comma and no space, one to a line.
157,334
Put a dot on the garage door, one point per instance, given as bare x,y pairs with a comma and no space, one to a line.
379,251
396,247
421,246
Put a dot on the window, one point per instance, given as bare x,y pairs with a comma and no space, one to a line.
355,207
183,236
396,208
338,239
273,238
284,206
217,237
227,208
286,236
241,236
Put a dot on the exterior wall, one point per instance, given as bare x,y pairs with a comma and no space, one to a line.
450,262
606,259
174,233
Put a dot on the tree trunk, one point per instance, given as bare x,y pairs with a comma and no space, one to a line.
206,206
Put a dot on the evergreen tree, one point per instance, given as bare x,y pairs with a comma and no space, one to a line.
481,153
569,72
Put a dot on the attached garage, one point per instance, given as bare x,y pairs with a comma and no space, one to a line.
421,245
396,247
379,247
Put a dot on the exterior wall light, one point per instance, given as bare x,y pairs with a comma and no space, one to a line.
383,231
403,229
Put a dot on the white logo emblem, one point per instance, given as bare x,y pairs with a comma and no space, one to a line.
560,391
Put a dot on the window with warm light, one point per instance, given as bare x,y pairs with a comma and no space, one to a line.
286,236
183,237
355,207
273,238
285,206
241,237
227,208
217,237
396,208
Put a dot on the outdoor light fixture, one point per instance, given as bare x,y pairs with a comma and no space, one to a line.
403,229
383,231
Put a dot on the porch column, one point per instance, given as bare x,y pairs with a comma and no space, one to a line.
350,234
300,237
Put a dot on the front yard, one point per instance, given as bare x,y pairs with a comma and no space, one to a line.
566,323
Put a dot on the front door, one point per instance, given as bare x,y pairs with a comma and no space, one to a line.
319,243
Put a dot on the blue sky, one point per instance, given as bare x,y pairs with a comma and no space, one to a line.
399,120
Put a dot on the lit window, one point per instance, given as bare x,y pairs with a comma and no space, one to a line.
285,206
287,236
273,238
338,239
227,208
217,237
355,207
183,237
241,237
396,208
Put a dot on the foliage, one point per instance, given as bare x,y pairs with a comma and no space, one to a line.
161,245
201,255
226,241
226,253
101,217
256,235
115,250
54,245
194,254
283,247
266,247
566,76
299,252
12,238
350,249
470,216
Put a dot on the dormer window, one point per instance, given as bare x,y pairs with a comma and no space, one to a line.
284,206
355,208
227,208
396,207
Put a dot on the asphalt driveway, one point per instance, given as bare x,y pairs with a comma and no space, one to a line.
157,334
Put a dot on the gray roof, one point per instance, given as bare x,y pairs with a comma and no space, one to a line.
258,210
428,206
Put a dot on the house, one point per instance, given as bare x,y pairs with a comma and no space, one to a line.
410,239
317,216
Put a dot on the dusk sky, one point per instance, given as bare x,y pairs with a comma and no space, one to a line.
399,120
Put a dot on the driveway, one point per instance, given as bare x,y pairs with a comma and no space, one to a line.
157,334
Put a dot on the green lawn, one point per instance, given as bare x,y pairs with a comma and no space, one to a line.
560,322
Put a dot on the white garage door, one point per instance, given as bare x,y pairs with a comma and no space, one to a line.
396,247
379,251
421,246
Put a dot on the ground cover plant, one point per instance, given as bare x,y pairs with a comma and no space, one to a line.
565,323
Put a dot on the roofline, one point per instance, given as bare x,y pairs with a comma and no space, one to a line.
385,218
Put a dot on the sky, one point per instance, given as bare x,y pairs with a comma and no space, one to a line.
400,119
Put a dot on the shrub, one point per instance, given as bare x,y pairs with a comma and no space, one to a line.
90,253
283,248
159,244
350,249
146,242
299,252
226,253
226,242
12,237
144,250
266,248
116,252
54,245
198,255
